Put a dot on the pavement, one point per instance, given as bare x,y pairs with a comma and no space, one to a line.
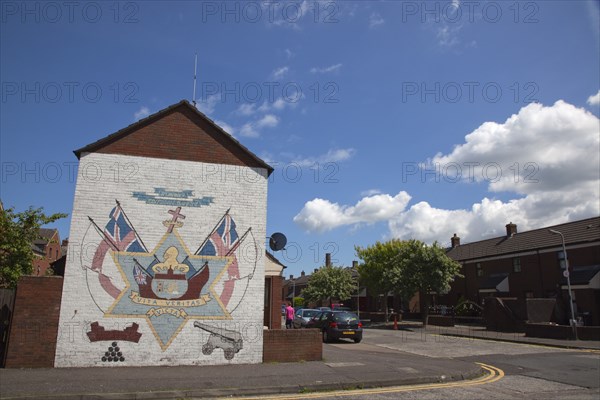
479,332
345,365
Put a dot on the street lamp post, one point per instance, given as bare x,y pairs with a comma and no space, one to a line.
573,322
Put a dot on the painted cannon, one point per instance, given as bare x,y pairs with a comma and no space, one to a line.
230,341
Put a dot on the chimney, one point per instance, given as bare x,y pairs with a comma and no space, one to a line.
65,242
455,240
511,229
291,277
302,273
354,264
327,259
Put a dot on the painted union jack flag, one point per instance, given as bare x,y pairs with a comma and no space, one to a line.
139,275
120,233
223,239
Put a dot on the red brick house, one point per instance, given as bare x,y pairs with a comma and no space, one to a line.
531,265
46,249
273,282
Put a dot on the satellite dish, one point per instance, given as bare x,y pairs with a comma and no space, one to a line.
277,241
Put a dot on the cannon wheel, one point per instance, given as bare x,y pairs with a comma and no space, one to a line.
207,349
229,353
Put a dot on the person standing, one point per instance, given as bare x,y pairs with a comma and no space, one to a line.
289,317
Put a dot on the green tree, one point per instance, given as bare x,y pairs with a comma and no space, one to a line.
425,269
17,233
331,283
298,302
407,267
380,267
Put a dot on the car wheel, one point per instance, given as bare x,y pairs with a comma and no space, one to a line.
325,337
357,340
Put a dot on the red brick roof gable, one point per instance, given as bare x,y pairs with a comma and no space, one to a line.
178,132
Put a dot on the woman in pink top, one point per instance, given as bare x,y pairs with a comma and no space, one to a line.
289,316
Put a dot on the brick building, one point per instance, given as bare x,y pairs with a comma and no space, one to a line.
273,287
46,249
530,265
167,259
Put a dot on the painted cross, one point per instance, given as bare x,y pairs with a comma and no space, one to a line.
173,222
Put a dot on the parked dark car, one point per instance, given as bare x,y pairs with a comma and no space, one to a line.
342,309
338,325
311,323
302,316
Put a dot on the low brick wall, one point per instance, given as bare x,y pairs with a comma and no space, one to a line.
379,316
440,320
548,331
34,327
292,345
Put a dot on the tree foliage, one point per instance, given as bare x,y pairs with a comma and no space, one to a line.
298,301
407,267
17,233
380,266
427,269
330,283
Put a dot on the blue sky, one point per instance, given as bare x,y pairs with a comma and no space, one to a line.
383,119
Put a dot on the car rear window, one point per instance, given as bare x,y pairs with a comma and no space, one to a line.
310,313
345,317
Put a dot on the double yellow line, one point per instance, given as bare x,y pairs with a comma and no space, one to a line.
493,374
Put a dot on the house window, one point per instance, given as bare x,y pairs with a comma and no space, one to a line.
479,270
516,264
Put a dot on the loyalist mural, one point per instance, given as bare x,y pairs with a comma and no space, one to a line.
166,266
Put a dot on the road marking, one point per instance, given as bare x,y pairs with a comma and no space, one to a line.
493,374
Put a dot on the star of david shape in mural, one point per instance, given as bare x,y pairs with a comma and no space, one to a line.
169,286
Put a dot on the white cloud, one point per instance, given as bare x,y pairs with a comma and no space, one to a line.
141,113
594,100
556,186
448,35
279,73
290,54
375,19
319,215
252,129
546,155
246,109
332,156
207,106
268,121
370,192
324,70
249,130
539,149
290,17
488,217
278,105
